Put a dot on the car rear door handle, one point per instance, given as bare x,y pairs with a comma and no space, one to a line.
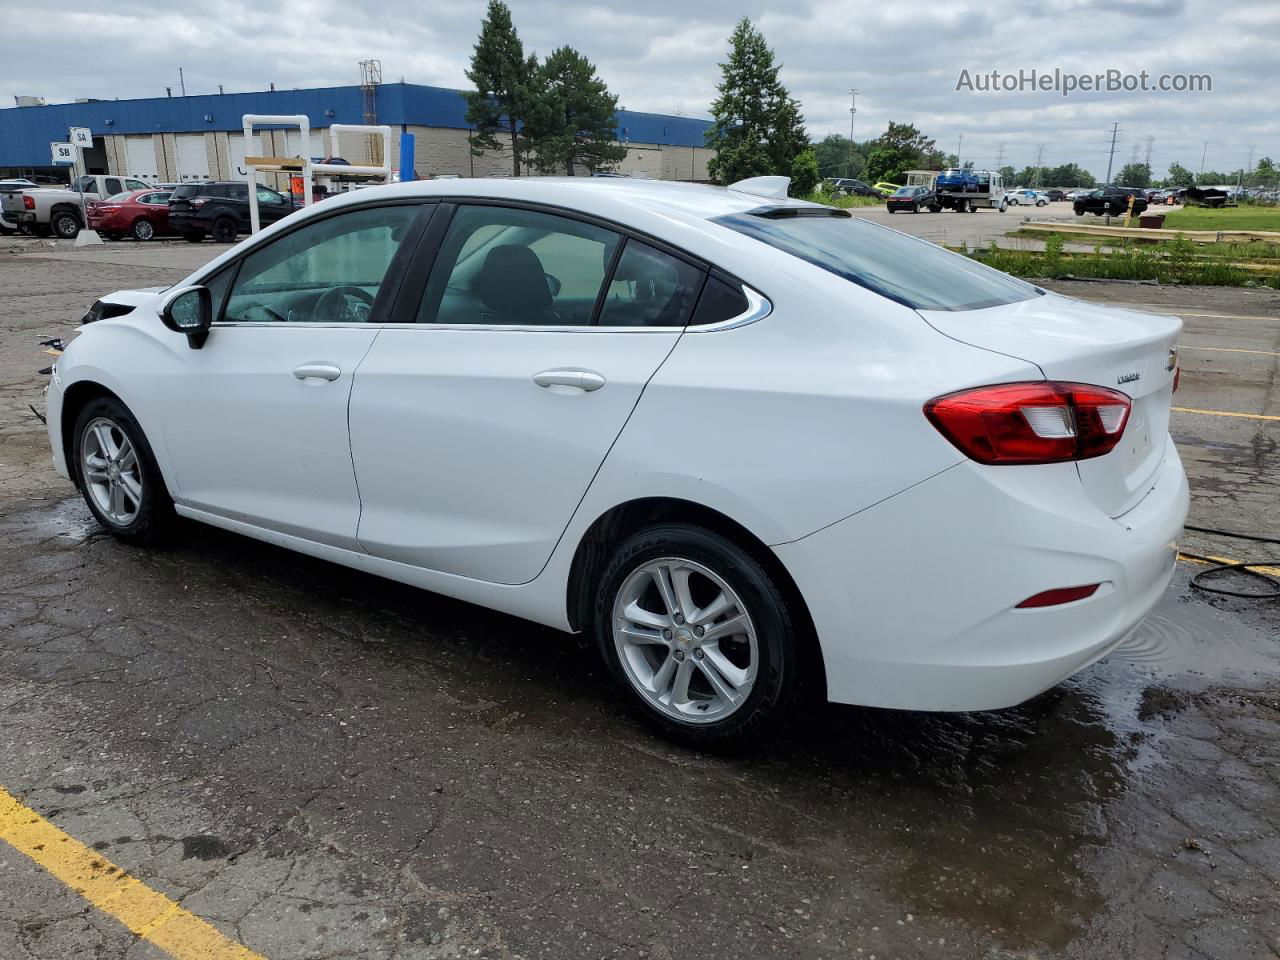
317,370
584,380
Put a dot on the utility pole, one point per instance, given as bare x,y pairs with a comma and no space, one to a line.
182,82
1115,130
1202,153
853,110
1243,179
958,146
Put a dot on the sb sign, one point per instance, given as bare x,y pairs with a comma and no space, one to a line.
63,153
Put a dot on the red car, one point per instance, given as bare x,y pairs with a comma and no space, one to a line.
142,213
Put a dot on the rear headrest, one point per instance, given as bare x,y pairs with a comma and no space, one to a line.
512,281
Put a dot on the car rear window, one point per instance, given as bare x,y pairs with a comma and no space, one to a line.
184,191
907,270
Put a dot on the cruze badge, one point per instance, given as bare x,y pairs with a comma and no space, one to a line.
1128,377
1173,359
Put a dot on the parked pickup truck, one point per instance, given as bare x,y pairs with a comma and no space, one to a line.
42,210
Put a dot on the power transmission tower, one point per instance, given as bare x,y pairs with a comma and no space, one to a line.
1202,154
1147,160
1039,165
1115,131
370,78
1000,157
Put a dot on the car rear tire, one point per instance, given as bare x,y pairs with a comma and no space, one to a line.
193,237
698,634
66,224
224,230
143,229
117,473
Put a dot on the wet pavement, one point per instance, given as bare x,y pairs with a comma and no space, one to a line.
323,764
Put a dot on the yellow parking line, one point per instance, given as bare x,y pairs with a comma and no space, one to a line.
1225,413
1261,353
151,915
1222,316
1206,560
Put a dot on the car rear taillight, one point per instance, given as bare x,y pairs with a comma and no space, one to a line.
29,203
1038,422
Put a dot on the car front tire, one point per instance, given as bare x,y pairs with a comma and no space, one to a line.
698,634
117,473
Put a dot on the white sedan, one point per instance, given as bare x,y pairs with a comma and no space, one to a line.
759,450
1026,198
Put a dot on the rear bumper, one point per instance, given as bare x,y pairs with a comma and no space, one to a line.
915,599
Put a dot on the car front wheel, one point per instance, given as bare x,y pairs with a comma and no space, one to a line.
117,473
697,632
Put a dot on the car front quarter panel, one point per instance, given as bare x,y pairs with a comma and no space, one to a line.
125,356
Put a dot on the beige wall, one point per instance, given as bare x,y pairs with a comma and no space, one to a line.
437,150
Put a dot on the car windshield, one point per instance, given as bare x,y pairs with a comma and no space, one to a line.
905,269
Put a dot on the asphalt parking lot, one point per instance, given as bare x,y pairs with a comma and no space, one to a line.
312,763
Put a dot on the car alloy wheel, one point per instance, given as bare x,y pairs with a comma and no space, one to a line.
112,474
66,225
685,640
143,230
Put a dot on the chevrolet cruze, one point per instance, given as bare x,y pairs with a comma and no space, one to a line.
759,450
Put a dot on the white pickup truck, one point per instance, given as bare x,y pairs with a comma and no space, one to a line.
42,210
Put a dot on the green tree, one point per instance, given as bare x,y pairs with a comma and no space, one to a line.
836,159
1008,175
1179,176
1068,175
804,173
1265,173
900,148
570,115
757,128
501,75
1134,175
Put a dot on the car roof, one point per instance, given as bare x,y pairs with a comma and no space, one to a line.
614,198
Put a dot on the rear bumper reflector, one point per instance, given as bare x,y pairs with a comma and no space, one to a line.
1051,598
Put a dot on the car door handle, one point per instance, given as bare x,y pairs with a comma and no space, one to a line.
584,380
317,370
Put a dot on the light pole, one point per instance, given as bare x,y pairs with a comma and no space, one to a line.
853,110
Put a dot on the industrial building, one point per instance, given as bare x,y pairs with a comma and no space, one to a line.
192,138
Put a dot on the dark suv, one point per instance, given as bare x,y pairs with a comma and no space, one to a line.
854,187
221,209
1110,200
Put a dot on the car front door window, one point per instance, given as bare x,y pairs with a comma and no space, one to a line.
329,271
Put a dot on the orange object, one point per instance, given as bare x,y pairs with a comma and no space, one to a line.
296,186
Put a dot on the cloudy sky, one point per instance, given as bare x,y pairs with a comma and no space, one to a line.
662,55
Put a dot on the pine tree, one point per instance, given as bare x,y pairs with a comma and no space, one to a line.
501,74
571,115
757,129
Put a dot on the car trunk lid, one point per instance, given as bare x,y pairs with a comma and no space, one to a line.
1107,346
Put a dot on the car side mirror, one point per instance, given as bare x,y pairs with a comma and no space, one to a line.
189,310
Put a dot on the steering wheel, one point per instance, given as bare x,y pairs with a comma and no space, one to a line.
332,306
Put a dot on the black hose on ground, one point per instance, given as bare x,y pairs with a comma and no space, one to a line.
1245,568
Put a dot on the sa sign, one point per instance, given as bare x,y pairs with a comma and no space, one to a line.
82,137
63,153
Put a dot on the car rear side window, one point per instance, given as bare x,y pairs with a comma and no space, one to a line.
507,266
650,288
907,270
719,302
